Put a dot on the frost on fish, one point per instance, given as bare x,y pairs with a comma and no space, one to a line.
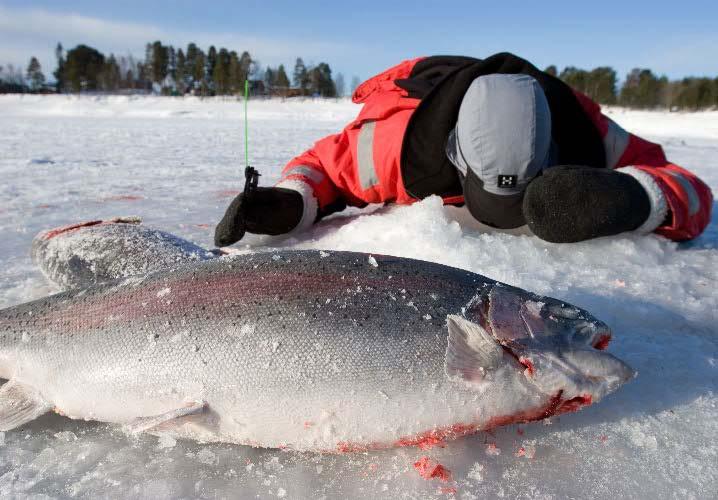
293,349
92,252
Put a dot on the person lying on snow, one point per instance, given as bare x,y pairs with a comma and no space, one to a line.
518,146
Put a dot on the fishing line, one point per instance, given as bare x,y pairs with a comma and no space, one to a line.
246,124
251,176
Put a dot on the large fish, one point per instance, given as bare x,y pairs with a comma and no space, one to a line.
98,251
308,350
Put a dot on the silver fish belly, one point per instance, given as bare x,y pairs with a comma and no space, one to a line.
310,350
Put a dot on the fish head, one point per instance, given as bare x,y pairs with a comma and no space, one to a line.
544,344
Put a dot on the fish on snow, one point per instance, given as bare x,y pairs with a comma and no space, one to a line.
308,350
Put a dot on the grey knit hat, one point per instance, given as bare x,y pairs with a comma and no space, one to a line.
502,140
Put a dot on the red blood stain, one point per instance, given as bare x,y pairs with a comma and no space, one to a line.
447,490
602,342
308,424
574,404
555,406
424,441
528,415
43,205
203,226
344,447
521,452
529,366
437,437
603,438
429,469
124,197
520,432
74,227
66,229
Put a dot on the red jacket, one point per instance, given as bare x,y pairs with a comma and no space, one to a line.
361,164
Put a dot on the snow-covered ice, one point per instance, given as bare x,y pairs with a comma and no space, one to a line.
177,163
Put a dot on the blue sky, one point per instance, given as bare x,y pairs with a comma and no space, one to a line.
362,38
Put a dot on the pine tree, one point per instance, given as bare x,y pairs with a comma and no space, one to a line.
211,63
159,62
551,70
575,78
269,79
172,64
236,80
195,66
281,80
130,79
602,85
221,72
110,79
83,67
181,72
641,89
300,77
143,80
198,77
320,81
246,65
59,73
190,56
34,74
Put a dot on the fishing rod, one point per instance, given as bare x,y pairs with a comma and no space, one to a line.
251,175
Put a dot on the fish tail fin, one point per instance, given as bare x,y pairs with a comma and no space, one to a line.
19,404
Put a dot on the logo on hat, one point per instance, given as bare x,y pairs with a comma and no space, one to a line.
507,181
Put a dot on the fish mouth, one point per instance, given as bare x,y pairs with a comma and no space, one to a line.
557,347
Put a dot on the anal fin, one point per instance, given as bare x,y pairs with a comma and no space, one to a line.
19,404
176,416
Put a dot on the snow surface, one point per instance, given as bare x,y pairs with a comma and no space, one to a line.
177,163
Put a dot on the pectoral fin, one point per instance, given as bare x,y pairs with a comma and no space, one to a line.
19,404
471,352
169,419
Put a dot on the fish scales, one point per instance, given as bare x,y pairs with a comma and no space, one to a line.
295,349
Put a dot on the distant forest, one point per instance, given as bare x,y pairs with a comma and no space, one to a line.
173,71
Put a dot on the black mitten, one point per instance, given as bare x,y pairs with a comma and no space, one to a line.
572,203
265,211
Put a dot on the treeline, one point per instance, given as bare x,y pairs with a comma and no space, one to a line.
176,71
641,88
172,71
